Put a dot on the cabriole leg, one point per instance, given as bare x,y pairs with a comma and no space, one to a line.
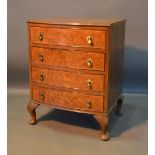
31,107
119,105
103,122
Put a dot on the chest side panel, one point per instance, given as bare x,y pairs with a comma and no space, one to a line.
116,56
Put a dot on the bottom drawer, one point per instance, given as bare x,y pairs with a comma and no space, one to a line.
71,100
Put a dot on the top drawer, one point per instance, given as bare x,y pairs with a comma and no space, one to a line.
68,37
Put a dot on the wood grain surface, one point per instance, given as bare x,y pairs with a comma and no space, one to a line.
74,100
76,59
68,79
65,37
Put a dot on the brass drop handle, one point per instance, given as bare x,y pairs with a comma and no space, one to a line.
41,77
41,58
90,63
41,35
89,40
89,84
42,95
89,104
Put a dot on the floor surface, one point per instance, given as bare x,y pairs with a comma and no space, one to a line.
66,133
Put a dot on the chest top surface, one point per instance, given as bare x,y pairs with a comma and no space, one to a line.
77,21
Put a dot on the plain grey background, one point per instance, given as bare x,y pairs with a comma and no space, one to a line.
136,40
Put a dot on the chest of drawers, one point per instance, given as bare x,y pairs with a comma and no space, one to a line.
76,65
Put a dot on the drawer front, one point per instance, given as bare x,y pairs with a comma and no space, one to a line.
72,100
68,37
67,58
68,79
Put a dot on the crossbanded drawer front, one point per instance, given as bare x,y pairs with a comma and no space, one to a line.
68,79
72,100
68,37
68,58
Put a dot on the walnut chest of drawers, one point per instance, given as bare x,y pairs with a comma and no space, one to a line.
76,65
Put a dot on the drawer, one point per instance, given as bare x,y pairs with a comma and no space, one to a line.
71,100
67,79
68,58
68,37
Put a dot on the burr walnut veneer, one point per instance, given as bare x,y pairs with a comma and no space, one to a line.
76,65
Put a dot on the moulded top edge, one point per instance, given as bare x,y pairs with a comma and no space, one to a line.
77,21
